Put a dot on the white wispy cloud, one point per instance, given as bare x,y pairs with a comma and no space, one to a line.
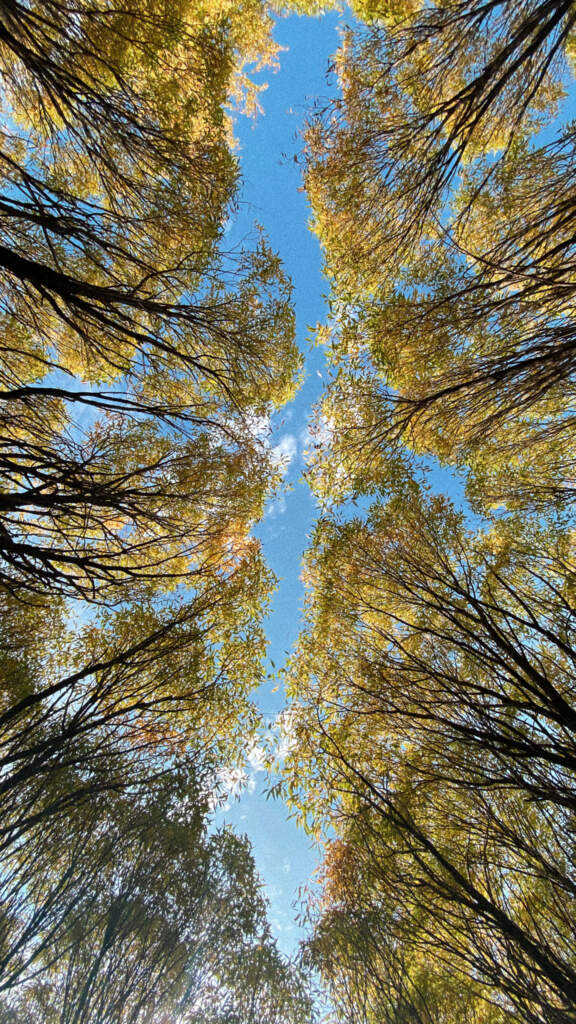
258,425
305,437
256,757
285,452
282,733
276,507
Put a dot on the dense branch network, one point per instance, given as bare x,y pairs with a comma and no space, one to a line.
434,709
138,358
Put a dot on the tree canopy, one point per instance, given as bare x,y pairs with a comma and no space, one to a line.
435,719
137,352
440,183
430,731
433,700
139,359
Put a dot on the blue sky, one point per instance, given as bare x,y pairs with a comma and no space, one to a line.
272,197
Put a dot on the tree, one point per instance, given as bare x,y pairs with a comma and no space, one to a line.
125,505
372,958
448,235
145,916
122,700
123,318
140,364
425,91
435,715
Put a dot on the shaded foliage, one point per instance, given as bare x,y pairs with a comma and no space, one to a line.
448,232
135,913
136,353
436,724
139,366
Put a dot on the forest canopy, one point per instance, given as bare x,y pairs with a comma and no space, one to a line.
138,354
433,683
432,705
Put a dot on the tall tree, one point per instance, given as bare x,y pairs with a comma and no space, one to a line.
448,233
435,714
139,914
122,700
425,91
140,364
123,317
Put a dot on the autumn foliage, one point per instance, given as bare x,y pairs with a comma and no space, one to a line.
432,715
433,685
